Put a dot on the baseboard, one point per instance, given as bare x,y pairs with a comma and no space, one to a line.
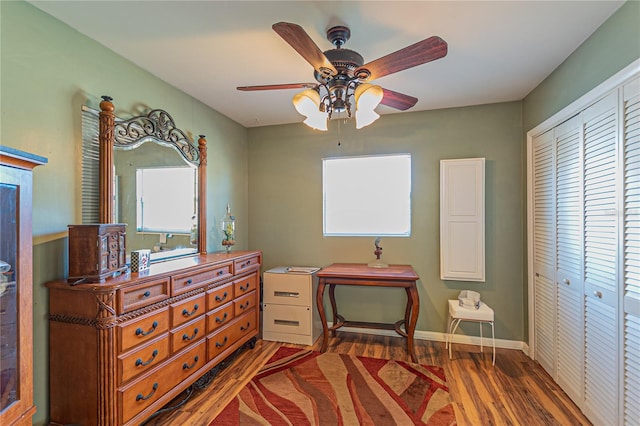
441,337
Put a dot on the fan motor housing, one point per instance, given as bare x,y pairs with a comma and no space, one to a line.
346,62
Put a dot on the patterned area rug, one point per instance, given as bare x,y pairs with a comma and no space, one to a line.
299,387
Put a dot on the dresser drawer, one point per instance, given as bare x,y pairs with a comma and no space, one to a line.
218,296
188,362
141,295
286,319
219,317
143,329
288,289
187,310
187,334
139,395
245,303
247,264
245,285
227,336
145,358
189,281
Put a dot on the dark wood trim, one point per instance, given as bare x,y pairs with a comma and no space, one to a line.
107,122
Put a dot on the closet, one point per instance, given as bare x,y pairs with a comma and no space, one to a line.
584,233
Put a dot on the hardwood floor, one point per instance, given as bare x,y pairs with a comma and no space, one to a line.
516,391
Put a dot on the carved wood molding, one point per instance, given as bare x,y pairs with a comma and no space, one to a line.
106,317
157,126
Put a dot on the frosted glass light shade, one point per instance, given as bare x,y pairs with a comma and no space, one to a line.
307,103
367,97
317,121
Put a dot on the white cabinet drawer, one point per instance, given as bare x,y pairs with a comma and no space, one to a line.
286,319
288,289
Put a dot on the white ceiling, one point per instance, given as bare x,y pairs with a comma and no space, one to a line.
498,50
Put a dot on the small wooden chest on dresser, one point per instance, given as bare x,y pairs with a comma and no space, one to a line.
96,251
121,350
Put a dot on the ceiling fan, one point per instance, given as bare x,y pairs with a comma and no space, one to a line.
343,77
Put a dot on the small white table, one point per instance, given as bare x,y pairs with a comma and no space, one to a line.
484,314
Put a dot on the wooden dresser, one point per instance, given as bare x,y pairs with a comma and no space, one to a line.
121,350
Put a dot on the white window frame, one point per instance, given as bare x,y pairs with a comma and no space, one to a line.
374,201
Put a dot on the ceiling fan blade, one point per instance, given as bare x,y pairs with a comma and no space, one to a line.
305,46
418,53
278,87
397,100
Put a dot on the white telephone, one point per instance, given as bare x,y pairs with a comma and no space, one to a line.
469,299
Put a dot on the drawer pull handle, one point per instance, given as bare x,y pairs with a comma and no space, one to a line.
139,362
188,282
247,263
221,271
286,294
144,398
243,328
140,332
245,305
598,294
567,281
243,288
193,336
186,366
286,322
221,320
220,299
146,294
187,313
224,342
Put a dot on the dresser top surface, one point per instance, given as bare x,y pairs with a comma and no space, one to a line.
161,269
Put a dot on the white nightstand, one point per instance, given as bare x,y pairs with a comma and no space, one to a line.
288,307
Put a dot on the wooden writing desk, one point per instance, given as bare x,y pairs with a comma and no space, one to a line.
402,276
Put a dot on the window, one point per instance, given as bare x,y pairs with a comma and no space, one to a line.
367,196
165,199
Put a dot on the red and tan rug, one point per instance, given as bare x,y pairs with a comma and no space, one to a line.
300,387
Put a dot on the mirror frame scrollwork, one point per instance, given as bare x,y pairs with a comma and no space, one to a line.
156,126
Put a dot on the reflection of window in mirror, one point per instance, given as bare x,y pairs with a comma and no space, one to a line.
165,200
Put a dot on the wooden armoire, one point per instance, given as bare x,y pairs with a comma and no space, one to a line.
16,282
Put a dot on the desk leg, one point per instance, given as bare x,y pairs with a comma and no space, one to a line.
323,316
413,306
334,308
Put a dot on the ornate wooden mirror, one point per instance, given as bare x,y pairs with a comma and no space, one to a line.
156,127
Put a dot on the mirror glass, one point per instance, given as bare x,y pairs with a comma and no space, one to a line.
156,196
138,155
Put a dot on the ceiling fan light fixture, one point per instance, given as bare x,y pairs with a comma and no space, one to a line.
308,104
367,98
317,121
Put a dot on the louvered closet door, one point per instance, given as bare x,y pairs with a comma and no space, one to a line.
569,244
544,251
631,271
601,262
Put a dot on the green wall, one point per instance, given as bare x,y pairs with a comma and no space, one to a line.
285,189
48,71
612,47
